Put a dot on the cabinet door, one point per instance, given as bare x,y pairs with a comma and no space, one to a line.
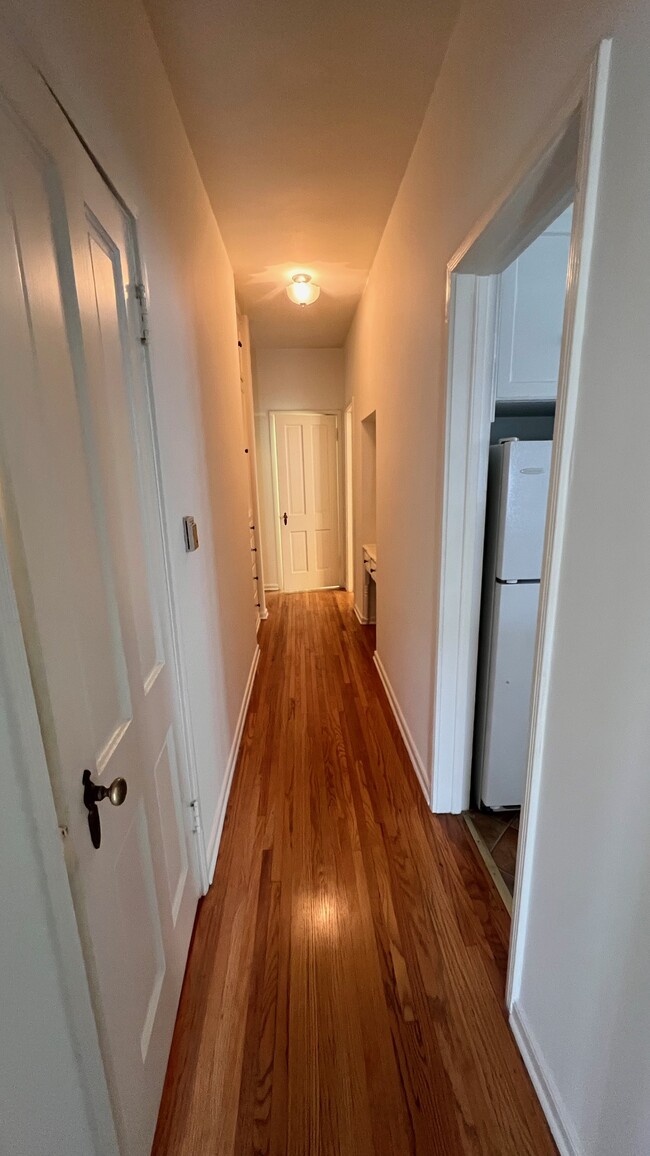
531,314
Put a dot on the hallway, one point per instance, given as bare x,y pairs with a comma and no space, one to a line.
344,991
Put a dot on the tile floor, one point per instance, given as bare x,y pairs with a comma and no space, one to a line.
500,833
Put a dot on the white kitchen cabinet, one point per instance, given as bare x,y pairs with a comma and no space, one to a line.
530,316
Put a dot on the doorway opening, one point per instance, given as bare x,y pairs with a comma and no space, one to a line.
561,169
349,499
526,339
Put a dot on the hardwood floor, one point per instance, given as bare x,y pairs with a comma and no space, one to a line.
344,993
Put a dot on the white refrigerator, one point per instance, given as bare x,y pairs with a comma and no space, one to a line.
514,541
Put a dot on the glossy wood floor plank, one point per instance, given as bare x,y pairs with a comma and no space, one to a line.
344,992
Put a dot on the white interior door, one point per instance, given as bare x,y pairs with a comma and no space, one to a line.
77,484
306,446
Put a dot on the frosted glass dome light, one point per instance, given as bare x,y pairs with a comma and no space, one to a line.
302,290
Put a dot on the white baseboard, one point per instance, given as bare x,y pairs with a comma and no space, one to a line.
362,620
264,615
217,826
271,586
418,765
544,1084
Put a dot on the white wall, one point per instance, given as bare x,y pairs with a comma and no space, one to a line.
585,992
290,379
103,63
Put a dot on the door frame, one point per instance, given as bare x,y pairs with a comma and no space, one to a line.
348,456
572,143
273,413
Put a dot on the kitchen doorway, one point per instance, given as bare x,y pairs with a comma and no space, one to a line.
527,338
563,167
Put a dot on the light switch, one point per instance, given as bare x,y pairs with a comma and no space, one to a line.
191,533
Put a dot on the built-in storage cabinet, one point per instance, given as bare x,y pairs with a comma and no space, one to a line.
530,316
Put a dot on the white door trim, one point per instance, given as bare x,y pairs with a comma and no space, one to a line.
469,408
273,413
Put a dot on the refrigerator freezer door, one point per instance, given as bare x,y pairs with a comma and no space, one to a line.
504,751
522,510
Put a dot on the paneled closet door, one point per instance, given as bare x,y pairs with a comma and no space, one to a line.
308,491
80,508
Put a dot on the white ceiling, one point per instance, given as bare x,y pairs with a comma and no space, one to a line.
302,117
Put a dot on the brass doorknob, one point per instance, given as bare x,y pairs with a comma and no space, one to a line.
93,794
117,792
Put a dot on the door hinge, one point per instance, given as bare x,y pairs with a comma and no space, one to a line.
196,816
141,298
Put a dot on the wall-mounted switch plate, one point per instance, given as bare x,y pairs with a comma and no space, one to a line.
191,532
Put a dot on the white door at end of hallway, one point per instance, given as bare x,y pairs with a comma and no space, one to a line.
306,450
80,512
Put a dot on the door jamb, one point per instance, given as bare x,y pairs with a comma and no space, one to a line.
473,304
461,550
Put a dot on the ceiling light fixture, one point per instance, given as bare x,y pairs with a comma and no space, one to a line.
302,289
